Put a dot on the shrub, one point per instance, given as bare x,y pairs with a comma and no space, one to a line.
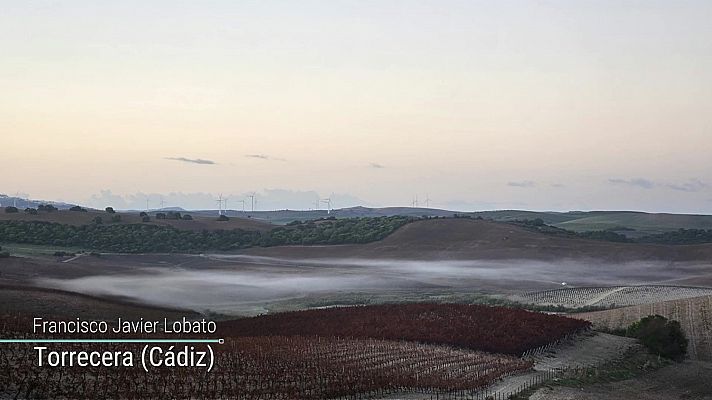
110,210
143,214
46,207
30,211
187,217
660,336
11,210
78,209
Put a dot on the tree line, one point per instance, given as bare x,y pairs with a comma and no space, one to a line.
145,238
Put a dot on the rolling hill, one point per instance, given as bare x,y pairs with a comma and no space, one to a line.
198,223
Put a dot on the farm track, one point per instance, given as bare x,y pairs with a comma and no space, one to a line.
694,315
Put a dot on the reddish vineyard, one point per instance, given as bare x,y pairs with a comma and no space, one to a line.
492,329
268,368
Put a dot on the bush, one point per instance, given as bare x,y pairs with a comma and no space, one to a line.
30,211
78,209
143,214
110,210
173,215
661,336
46,207
11,210
187,217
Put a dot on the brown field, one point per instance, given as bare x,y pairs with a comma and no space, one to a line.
86,218
49,302
695,316
448,239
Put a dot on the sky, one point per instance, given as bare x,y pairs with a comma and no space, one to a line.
541,105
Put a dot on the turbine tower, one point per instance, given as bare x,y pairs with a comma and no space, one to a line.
328,204
252,198
427,200
220,202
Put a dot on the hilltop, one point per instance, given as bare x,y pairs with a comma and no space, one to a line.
198,223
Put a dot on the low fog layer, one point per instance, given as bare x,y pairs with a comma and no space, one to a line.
237,283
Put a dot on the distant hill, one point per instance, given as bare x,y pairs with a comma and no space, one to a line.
198,223
465,238
629,223
23,203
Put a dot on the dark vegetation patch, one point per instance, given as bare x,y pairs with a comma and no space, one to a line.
141,238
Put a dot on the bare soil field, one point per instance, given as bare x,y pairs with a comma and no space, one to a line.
447,239
695,316
87,218
48,302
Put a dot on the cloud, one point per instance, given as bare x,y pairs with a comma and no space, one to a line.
693,185
192,160
636,182
264,157
376,165
522,184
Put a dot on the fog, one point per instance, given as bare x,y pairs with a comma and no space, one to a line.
234,284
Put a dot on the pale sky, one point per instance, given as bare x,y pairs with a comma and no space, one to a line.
547,105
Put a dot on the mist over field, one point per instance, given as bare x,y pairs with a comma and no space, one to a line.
259,280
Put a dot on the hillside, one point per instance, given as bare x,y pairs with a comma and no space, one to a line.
463,238
695,316
635,223
198,223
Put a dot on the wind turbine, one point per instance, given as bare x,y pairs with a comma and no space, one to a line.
243,205
427,200
225,204
252,197
219,201
328,204
147,209
163,203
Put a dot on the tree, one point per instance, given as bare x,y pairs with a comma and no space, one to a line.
143,214
30,211
11,210
110,210
660,336
46,208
